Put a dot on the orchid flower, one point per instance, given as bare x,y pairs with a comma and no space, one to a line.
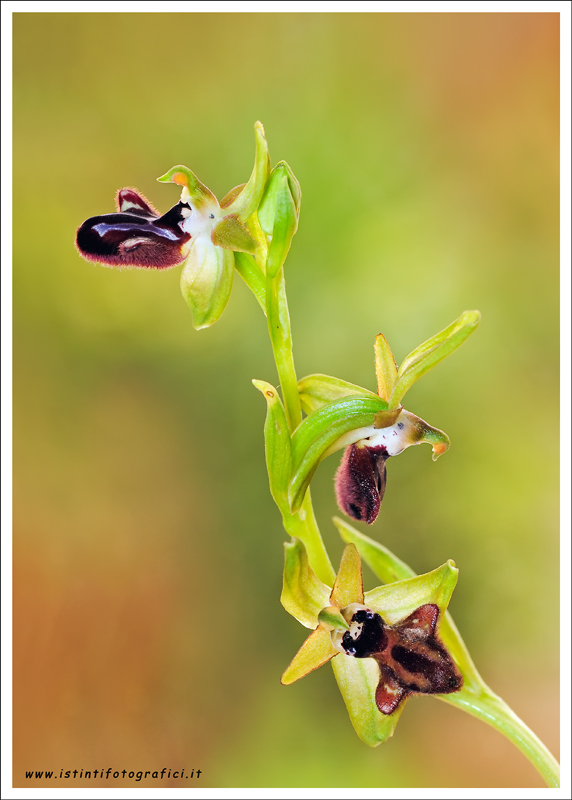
198,230
371,427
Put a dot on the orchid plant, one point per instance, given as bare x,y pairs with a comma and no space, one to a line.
394,641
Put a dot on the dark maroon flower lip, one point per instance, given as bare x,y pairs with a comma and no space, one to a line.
360,481
141,239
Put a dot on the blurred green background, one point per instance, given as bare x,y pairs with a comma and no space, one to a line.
148,552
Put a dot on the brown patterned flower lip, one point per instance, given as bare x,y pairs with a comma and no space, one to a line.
411,657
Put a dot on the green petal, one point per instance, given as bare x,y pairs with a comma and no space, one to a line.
232,234
303,593
318,390
358,679
278,446
348,587
316,651
206,281
385,367
197,191
331,619
247,201
424,357
320,434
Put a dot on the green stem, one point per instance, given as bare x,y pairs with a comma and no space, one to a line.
303,526
488,707
281,338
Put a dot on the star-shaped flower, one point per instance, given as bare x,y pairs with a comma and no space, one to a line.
395,626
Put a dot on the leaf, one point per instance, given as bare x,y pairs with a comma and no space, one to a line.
303,593
277,445
428,354
316,651
385,367
326,430
318,390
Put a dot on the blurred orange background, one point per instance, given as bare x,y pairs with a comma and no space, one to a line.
147,550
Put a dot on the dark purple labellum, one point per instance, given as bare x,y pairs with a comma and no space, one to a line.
360,481
410,656
134,238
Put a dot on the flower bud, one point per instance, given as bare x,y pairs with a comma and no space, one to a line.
278,214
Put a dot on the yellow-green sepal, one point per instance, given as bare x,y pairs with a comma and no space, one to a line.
428,354
385,367
326,430
396,601
303,593
318,390
277,444
316,651
348,587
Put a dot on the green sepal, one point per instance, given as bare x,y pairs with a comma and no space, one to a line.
398,600
385,367
331,619
428,354
317,390
206,281
303,593
322,433
193,189
233,235
269,203
357,679
389,569
348,587
316,651
246,201
277,445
